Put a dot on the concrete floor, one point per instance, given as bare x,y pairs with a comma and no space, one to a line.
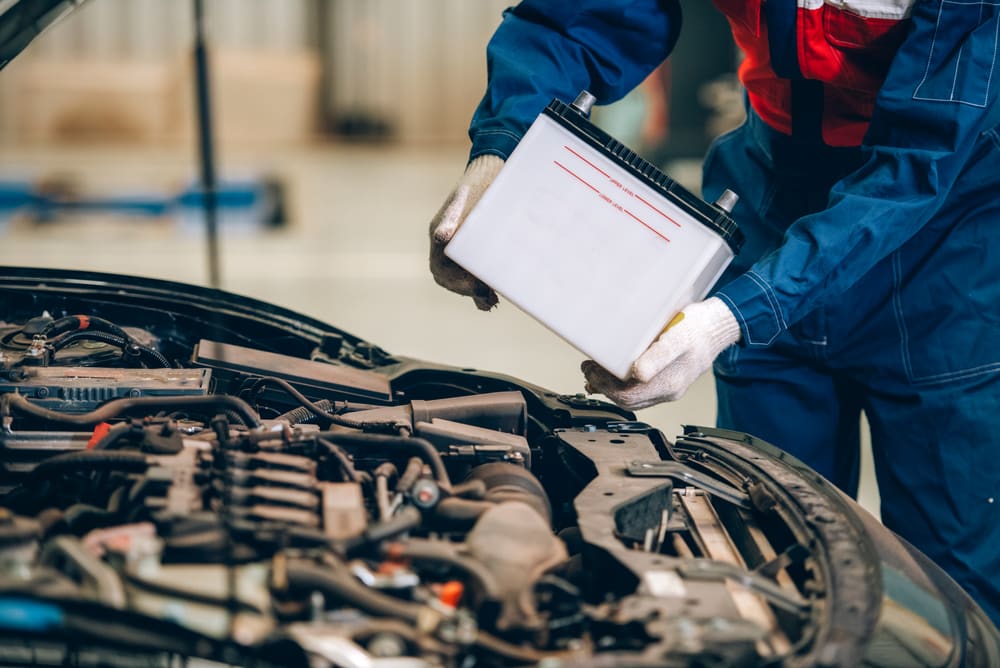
354,255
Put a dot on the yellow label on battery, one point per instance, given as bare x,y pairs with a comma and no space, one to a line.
676,319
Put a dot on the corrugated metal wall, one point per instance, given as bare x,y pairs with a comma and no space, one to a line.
416,65
157,29
419,65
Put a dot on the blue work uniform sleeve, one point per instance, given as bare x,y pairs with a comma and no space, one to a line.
547,49
939,95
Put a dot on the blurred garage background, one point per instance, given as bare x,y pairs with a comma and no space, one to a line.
339,128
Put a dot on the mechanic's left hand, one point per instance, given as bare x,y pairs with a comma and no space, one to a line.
684,351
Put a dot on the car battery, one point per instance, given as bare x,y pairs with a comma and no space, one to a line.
596,243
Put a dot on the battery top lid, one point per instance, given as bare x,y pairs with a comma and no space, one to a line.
716,217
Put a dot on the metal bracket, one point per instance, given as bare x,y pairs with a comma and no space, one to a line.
695,478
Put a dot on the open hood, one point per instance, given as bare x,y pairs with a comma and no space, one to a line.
21,21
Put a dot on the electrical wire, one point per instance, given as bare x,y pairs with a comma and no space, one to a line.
127,346
330,418
417,446
341,457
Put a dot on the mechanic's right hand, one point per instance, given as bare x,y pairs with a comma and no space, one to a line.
478,176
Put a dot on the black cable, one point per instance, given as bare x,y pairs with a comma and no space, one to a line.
462,512
414,467
84,460
303,414
342,586
127,346
86,335
407,519
73,323
418,446
317,410
118,407
110,440
341,457
443,552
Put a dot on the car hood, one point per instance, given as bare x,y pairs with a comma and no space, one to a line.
21,21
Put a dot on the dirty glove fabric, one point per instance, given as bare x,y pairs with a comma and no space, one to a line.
478,176
675,360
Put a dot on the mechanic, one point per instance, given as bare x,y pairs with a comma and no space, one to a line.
868,171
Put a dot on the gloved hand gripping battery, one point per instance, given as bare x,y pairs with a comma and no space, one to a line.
685,350
479,174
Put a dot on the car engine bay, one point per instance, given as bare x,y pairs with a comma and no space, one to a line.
191,481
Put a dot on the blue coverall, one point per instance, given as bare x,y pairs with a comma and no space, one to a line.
871,275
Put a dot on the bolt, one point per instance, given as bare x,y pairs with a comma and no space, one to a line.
317,606
135,392
386,645
515,458
425,493
42,392
38,344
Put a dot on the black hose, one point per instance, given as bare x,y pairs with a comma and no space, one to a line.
85,460
85,335
85,327
340,585
315,408
287,387
461,512
341,457
418,446
527,655
414,467
118,407
470,489
407,519
129,347
110,440
443,552
74,323
303,414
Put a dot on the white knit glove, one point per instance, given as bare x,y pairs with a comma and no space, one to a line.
477,178
674,361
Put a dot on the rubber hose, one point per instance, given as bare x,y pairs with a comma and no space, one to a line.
418,446
74,323
346,465
343,587
88,460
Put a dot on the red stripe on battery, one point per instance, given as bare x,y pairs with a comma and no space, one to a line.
630,214
587,161
657,210
576,176
647,226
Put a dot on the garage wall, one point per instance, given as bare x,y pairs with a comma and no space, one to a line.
417,67
157,29
420,66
